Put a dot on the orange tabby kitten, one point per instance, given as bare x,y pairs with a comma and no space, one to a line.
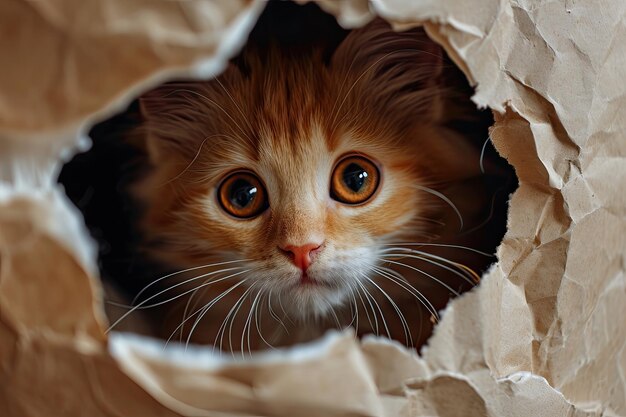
307,193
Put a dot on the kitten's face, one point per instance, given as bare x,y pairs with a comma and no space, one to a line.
303,169
310,217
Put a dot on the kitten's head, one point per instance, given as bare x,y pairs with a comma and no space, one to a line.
303,167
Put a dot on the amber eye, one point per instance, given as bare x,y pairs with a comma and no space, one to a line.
242,195
354,180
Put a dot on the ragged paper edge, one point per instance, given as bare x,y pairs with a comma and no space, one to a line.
54,147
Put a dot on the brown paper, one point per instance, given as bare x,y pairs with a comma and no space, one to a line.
543,334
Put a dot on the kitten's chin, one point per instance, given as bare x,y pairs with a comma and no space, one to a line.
311,302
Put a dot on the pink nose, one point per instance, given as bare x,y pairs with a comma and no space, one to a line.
301,256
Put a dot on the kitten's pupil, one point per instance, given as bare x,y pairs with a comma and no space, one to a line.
354,177
242,193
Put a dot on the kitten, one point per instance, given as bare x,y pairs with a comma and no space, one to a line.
307,192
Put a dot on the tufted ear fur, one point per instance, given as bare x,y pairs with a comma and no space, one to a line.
400,70
166,111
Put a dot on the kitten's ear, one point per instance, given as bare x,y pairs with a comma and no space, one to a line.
394,67
150,107
165,114
156,102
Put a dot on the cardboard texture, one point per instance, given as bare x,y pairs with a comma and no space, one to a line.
543,335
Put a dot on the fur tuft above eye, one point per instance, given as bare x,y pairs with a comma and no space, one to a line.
242,195
355,179
399,71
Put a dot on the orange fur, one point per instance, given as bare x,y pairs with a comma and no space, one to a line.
289,118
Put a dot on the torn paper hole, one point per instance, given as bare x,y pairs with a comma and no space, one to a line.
546,298
180,290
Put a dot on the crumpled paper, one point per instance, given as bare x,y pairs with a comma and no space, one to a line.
543,334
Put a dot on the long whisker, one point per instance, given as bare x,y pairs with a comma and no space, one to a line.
444,198
444,245
280,303
248,324
492,208
367,314
424,219
195,268
233,311
186,310
405,325
398,279
356,309
196,302
273,314
443,284
469,272
332,310
258,328
403,283
196,322
222,329
232,321
142,306
482,154
202,310
188,303
192,161
382,316
353,308
473,278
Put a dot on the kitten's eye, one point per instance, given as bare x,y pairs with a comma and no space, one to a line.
354,180
242,195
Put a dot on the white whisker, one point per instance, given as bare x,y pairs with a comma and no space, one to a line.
353,308
367,314
273,314
196,322
444,245
240,303
195,268
234,310
444,198
465,276
248,324
195,158
400,281
142,306
482,155
443,284
258,328
280,303
202,311
382,316
405,325
332,310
